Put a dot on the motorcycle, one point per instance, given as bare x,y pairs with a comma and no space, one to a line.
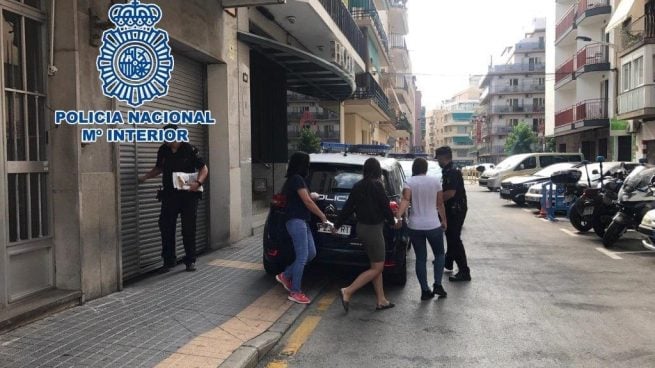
606,204
582,211
636,197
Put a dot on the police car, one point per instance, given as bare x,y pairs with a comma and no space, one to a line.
332,176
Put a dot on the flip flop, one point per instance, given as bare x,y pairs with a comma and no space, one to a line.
383,307
344,303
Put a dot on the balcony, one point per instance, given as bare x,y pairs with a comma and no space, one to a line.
593,57
313,116
369,100
584,115
529,47
637,34
521,88
398,21
565,24
565,71
591,110
320,23
638,103
366,14
522,109
590,8
492,150
517,68
399,51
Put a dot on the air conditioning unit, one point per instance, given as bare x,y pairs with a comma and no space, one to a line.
633,126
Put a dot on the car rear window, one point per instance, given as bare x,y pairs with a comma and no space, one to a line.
337,178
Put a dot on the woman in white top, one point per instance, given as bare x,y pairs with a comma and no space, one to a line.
426,197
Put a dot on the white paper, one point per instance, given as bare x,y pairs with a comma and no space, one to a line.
181,180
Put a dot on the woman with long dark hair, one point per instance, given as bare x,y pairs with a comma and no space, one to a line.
426,196
299,208
369,201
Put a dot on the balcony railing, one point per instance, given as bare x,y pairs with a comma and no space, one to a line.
592,55
527,109
517,68
397,41
362,9
591,110
368,88
398,4
295,133
324,115
525,87
637,99
344,20
564,117
564,70
529,46
584,5
566,22
585,110
637,33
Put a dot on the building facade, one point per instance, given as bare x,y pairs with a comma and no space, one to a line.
76,223
632,30
514,92
584,98
456,127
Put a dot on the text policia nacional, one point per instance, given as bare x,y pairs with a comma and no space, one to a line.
150,120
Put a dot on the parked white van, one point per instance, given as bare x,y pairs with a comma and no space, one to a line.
523,164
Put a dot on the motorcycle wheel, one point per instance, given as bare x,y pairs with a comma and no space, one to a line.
600,223
612,234
579,222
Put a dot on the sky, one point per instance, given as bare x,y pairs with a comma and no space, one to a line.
452,39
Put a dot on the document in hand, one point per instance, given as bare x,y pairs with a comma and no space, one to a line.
182,180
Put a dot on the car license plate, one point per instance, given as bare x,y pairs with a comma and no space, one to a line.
343,230
588,211
504,191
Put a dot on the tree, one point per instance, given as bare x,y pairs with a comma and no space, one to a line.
309,141
551,144
520,140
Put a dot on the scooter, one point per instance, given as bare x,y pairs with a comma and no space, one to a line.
636,198
582,211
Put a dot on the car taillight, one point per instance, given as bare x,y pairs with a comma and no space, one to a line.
279,201
272,252
394,207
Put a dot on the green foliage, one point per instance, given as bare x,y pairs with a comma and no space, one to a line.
551,144
520,140
309,141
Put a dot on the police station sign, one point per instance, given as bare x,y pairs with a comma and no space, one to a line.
135,65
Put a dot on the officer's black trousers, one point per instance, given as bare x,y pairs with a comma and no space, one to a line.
456,252
185,204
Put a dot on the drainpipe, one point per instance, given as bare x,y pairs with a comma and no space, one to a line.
52,69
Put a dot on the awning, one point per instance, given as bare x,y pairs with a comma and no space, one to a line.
620,14
306,73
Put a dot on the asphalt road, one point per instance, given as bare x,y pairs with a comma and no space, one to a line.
541,296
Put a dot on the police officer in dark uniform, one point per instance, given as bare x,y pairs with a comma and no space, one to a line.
456,207
178,157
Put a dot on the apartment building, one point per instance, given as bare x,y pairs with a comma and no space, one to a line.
514,92
458,126
584,80
371,115
632,30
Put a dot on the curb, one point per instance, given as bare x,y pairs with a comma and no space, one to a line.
252,352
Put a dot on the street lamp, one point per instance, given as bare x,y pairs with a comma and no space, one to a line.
588,39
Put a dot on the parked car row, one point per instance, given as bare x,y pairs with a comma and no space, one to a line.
608,197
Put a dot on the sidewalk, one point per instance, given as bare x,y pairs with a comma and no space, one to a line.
177,319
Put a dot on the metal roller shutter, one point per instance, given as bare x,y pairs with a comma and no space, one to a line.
140,239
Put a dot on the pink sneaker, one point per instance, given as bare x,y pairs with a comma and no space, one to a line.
299,298
284,281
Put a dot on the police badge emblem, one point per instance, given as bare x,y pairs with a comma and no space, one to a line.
135,61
